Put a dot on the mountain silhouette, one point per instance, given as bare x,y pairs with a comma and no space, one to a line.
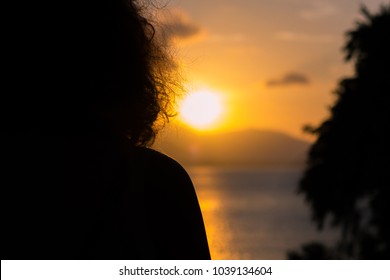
246,147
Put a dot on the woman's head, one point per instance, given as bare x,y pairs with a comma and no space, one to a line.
94,62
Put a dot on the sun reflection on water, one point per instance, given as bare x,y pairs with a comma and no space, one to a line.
211,201
253,213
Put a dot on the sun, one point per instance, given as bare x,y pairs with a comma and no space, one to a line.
201,109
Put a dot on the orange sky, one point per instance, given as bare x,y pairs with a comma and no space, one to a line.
275,63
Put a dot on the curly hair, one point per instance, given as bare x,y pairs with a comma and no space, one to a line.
100,65
139,81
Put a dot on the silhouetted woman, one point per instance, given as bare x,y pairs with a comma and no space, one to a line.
86,84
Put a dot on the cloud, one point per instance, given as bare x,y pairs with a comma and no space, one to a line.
303,37
318,10
177,25
228,38
289,79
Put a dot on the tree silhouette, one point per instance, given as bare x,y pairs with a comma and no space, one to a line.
346,181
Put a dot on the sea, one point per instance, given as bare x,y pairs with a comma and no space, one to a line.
254,212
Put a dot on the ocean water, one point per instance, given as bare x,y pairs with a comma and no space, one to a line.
254,212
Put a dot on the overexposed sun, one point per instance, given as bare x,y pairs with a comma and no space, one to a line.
201,109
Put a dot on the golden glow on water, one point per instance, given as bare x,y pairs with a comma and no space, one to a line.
218,230
253,212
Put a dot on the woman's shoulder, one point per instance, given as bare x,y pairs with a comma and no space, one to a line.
155,155
164,176
161,163
174,208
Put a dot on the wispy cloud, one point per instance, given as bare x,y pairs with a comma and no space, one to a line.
177,25
292,78
319,9
304,37
228,38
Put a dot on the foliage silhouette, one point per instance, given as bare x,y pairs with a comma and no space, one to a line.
346,181
313,251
